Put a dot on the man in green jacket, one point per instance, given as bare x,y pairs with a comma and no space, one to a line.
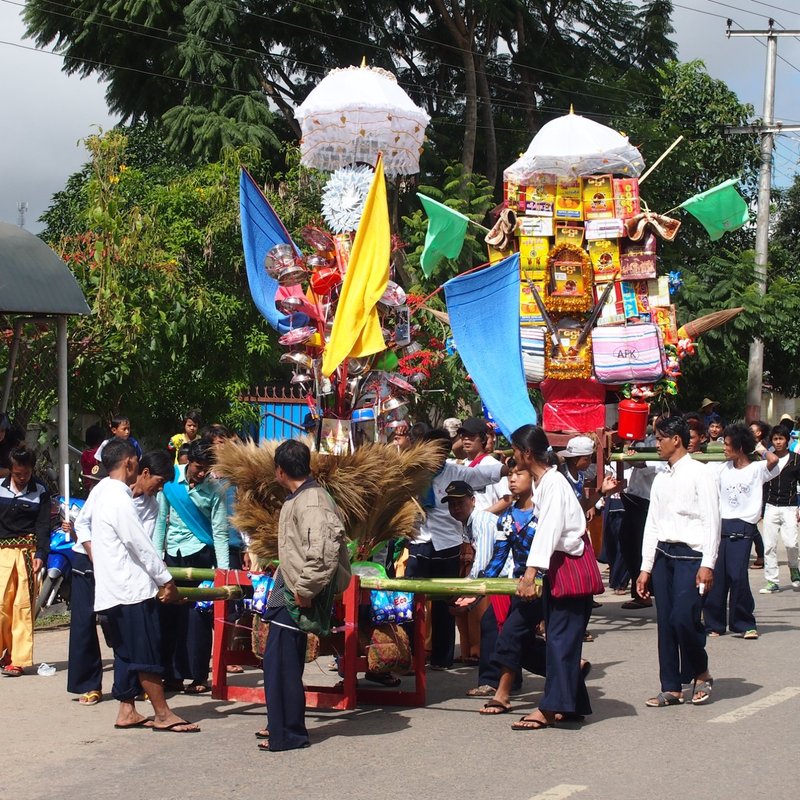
314,565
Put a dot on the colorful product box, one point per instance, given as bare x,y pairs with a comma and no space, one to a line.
529,314
658,291
535,226
604,229
540,196
569,204
626,197
598,197
604,254
533,252
567,279
638,259
666,319
613,311
569,234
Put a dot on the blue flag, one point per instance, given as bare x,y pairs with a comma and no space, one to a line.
490,347
261,231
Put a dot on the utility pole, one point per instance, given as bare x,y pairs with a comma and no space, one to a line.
22,210
766,129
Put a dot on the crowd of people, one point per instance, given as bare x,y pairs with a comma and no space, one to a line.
674,528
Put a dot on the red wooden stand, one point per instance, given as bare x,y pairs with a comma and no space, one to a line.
349,694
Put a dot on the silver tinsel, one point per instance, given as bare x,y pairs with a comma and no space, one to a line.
344,196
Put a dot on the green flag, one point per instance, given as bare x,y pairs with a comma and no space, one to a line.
718,209
445,237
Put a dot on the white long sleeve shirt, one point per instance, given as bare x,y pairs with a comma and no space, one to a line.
561,521
684,508
127,567
439,527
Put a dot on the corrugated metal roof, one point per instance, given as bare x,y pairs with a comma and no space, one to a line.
33,279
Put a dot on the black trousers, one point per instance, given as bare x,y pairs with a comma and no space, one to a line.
631,535
518,647
284,662
85,665
731,585
565,621
186,631
426,562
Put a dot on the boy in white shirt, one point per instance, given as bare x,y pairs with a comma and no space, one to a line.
130,579
741,481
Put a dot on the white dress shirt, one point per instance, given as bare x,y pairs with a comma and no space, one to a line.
127,567
481,530
439,527
684,508
561,522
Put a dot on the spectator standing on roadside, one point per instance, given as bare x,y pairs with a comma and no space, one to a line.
781,514
191,425
24,546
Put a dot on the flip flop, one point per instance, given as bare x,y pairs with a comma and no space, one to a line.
143,723
90,698
497,706
532,724
482,691
262,734
383,679
704,688
234,669
197,688
264,747
11,671
174,728
664,699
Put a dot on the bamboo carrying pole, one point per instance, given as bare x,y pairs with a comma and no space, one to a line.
192,573
211,593
442,586
653,456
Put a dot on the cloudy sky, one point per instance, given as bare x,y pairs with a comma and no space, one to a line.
45,113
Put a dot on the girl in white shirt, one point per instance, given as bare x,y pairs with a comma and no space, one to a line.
741,482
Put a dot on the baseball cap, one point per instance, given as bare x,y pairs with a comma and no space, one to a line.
475,426
456,490
578,446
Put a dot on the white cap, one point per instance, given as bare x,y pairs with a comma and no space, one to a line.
578,446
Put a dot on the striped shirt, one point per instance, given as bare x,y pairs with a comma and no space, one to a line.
481,530
25,510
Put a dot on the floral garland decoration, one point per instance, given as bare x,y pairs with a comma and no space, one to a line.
344,196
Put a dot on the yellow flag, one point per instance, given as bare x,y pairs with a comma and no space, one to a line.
356,326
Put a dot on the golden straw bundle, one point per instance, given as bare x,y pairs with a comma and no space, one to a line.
716,319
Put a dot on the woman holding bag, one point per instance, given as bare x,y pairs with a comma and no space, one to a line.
561,568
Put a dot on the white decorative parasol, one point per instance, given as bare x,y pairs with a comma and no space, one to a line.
573,146
355,113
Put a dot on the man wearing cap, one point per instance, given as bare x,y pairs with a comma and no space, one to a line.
480,528
474,435
578,468
435,552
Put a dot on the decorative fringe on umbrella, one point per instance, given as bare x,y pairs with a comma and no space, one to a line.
375,488
716,319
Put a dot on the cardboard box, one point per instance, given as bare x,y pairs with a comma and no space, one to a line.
540,196
604,229
613,311
658,291
638,259
604,254
666,319
535,226
533,252
598,197
626,197
567,279
569,201
529,314
569,234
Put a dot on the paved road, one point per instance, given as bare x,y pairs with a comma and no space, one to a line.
741,745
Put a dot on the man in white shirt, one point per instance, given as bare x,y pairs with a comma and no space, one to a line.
741,491
681,540
85,664
474,434
130,579
435,553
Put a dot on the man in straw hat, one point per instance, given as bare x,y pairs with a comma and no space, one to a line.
707,408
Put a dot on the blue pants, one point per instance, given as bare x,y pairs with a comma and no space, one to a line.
565,622
187,630
518,647
85,665
631,535
284,662
488,669
135,634
681,637
731,587
611,553
426,562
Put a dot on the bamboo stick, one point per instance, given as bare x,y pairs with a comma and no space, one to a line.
192,573
211,593
442,586
653,456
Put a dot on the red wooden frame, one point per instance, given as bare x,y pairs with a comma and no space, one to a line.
347,696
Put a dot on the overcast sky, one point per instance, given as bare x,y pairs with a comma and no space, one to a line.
45,113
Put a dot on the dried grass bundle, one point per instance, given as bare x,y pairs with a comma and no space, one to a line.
376,489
